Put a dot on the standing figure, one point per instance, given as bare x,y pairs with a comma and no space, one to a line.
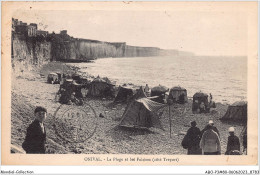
211,123
36,134
233,145
193,137
202,107
195,106
210,142
146,90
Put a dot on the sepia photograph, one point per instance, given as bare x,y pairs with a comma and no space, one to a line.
160,81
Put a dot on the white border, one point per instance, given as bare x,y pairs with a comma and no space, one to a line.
130,169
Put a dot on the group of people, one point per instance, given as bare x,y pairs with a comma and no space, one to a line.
203,106
207,141
69,94
75,100
200,107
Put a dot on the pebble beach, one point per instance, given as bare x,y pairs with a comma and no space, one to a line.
31,89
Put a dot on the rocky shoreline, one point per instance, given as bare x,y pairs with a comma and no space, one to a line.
31,89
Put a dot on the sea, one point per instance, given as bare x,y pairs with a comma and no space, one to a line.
224,77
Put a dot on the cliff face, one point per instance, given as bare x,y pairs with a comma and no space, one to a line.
29,52
35,51
133,51
66,48
87,50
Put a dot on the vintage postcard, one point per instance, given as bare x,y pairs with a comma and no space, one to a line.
129,83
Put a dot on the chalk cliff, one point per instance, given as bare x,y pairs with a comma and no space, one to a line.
28,52
65,48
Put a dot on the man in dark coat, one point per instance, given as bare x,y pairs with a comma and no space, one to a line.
193,136
36,134
233,145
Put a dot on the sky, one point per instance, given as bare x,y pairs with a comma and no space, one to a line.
203,33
